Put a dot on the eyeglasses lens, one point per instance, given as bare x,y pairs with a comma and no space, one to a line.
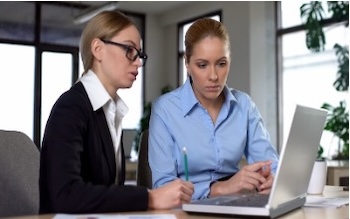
133,53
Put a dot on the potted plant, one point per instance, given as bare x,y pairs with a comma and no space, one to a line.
319,174
313,15
319,154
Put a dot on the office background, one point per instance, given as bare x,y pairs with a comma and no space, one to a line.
255,29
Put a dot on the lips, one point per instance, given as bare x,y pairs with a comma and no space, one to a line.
134,73
212,88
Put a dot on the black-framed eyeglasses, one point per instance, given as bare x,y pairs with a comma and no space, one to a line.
131,52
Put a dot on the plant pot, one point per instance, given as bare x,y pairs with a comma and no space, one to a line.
318,178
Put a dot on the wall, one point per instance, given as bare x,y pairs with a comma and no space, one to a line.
263,68
155,66
253,69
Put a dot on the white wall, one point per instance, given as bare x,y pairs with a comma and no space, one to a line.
263,68
253,68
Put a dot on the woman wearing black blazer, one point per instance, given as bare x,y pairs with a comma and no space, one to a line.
82,166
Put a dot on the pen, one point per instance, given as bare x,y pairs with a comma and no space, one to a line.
185,162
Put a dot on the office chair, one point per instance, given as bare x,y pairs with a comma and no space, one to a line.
19,174
143,173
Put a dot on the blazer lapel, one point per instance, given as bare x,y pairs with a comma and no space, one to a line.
107,143
122,162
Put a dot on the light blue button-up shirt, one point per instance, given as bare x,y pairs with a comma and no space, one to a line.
214,151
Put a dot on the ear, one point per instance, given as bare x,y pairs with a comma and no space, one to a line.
97,48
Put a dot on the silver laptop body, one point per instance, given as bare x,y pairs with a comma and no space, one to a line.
293,174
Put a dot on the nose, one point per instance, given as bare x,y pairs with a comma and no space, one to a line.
138,61
213,76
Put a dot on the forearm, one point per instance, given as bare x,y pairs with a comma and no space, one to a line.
217,188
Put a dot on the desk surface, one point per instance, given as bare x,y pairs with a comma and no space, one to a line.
302,213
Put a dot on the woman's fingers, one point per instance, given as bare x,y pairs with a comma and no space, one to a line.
255,176
171,195
268,184
187,191
258,166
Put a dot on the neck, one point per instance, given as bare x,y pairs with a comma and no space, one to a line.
111,90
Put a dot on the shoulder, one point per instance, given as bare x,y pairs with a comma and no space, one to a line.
243,99
76,93
75,99
168,99
245,104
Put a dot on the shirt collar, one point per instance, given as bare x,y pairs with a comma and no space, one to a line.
229,97
189,100
95,90
121,108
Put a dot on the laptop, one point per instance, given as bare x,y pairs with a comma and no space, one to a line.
292,177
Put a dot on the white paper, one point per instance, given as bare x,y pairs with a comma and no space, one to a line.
324,202
116,216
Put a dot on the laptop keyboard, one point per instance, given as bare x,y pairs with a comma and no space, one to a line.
255,200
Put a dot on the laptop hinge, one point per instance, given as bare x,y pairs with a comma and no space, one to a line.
301,197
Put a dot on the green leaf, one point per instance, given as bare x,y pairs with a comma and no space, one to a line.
319,153
338,123
342,79
339,10
312,13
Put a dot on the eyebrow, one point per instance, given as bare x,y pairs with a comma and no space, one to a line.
133,44
205,60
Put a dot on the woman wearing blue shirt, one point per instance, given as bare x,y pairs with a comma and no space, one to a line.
217,125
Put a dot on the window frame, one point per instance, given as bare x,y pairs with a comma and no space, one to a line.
280,32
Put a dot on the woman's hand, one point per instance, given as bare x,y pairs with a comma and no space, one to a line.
253,177
265,188
171,195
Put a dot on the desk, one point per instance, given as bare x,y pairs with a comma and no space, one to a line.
302,213
337,169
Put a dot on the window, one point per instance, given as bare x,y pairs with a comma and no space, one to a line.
307,78
182,29
54,65
291,13
17,88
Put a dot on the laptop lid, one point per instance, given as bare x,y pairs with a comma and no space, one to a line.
298,155
293,173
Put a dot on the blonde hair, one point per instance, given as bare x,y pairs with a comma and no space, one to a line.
105,25
201,29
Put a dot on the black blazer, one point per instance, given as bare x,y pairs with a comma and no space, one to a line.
77,165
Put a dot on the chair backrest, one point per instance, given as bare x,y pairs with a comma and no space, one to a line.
19,174
144,174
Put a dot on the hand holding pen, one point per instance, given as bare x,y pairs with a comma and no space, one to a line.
174,193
